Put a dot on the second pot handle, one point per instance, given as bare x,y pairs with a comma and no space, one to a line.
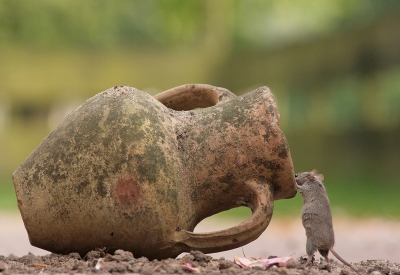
239,235
192,96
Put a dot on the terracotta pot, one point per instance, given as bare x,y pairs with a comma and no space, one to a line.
126,170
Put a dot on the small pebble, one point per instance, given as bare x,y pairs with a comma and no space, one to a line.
344,272
224,264
93,255
293,264
13,257
74,255
200,256
3,266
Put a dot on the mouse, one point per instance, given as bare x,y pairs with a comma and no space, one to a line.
316,216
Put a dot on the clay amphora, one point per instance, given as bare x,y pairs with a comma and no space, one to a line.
129,171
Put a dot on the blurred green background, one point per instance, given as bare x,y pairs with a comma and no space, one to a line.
333,66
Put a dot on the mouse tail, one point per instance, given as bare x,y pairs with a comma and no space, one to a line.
342,260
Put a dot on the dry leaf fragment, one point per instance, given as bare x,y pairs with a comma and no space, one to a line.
37,265
243,262
189,267
260,262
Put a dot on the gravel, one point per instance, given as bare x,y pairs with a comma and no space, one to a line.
100,262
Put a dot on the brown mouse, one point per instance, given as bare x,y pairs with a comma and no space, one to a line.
316,216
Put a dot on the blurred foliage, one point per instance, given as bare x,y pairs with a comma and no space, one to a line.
166,23
333,66
8,200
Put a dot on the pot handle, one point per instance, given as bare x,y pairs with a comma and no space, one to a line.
192,96
242,234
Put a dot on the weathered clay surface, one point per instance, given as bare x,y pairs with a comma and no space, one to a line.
125,171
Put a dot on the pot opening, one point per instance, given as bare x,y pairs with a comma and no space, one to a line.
190,97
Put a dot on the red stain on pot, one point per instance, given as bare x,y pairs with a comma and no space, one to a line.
127,192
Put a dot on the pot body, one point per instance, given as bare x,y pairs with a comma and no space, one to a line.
126,171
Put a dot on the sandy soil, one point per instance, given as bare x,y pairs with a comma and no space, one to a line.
356,240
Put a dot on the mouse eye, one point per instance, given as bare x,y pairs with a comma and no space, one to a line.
296,175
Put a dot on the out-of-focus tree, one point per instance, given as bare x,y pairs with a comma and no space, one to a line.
171,23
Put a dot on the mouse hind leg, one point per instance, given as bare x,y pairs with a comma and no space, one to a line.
310,249
324,253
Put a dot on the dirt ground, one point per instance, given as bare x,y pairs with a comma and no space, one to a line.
371,245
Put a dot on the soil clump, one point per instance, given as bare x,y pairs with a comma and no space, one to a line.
195,262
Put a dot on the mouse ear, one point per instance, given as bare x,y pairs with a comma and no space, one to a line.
319,177
314,172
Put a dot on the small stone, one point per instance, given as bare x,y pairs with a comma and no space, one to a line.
283,270
385,270
325,266
117,258
344,272
76,266
169,269
303,260
212,265
12,257
93,255
117,268
27,259
187,258
74,255
147,271
124,255
234,266
224,264
132,261
109,258
293,264
3,266
200,256
262,268
142,260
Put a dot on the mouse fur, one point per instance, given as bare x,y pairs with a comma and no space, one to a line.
316,216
